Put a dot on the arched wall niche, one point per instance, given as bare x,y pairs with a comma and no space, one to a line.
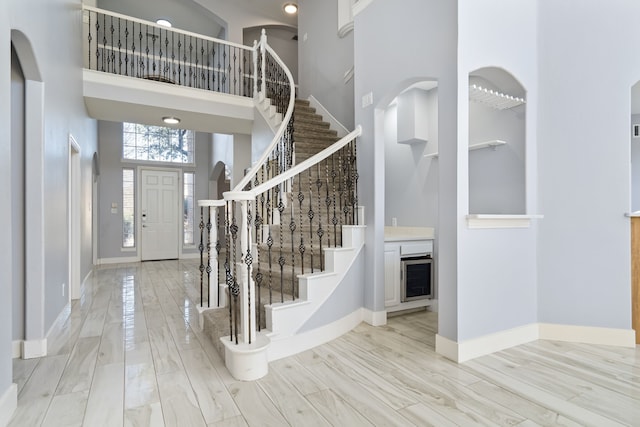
497,142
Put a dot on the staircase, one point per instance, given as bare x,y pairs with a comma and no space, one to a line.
311,135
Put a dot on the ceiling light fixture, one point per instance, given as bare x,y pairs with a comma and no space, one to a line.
164,23
170,120
290,8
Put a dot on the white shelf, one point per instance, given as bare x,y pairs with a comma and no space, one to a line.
493,99
487,144
500,221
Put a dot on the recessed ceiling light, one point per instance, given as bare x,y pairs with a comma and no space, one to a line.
164,23
290,8
170,120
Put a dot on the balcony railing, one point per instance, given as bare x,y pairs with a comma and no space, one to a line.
126,46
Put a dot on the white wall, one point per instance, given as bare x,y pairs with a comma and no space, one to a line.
497,276
584,165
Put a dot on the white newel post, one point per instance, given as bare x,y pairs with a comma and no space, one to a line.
263,44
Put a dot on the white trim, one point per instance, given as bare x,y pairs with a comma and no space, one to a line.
360,5
588,335
298,343
34,348
8,404
194,255
500,221
16,349
447,347
374,318
491,343
73,203
118,260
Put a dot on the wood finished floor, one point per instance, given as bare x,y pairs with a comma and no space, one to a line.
130,353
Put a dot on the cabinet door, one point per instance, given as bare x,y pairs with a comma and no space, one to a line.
391,275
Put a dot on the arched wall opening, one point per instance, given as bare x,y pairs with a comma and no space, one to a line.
497,143
34,343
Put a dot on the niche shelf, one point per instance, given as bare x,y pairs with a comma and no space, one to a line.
493,99
487,144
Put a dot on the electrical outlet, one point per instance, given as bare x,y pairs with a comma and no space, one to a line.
63,288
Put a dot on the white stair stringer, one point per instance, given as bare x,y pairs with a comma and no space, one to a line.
284,320
269,112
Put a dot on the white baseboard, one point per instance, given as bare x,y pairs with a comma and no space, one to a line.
118,260
374,318
16,349
284,347
487,344
8,404
34,348
195,255
588,335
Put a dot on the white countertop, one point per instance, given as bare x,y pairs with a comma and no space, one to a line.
394,234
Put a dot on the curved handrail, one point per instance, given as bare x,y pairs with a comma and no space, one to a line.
283,126
301,167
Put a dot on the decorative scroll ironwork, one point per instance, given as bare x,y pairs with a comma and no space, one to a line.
136,48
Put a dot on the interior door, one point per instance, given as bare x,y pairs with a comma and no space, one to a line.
159,215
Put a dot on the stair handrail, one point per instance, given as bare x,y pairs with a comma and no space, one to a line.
297,169
285,121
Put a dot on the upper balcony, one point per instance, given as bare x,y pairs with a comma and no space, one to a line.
139,71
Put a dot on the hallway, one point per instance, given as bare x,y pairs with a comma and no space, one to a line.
130,353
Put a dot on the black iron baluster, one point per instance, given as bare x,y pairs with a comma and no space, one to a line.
340,191
112,56
126,48
166,68
218,68
292,228
146,51
270,245
327,202
202,66
153,52
301,248
310,214
209,257
320,231
201,248
227,266
259,276
173,58
104,41
334,219
191,82
218,247
141,60
89,38
236,287
248,259
355,181
281,260
235,80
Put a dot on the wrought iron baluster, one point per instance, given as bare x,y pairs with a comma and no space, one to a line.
227,266
112,55
141,59
270,245
310,214
209,226
334,219
355,181
292,228
320,231
327,202
248,259
301,248
153,52
281,260
104,42
167,68
126,50
236,287
201,248
119,48
218,247
259,277
89,38
173,57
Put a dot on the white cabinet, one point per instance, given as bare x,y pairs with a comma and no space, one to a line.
391,274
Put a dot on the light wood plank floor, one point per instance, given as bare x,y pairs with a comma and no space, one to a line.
129,353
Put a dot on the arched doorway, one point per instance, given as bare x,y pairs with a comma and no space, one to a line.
34,343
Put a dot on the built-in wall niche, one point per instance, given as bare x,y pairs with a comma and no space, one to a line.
497,124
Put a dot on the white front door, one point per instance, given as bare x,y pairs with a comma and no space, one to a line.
159,215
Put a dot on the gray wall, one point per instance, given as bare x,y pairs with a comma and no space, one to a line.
377,57
65,113
324,58
584,167
110,187
183,14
